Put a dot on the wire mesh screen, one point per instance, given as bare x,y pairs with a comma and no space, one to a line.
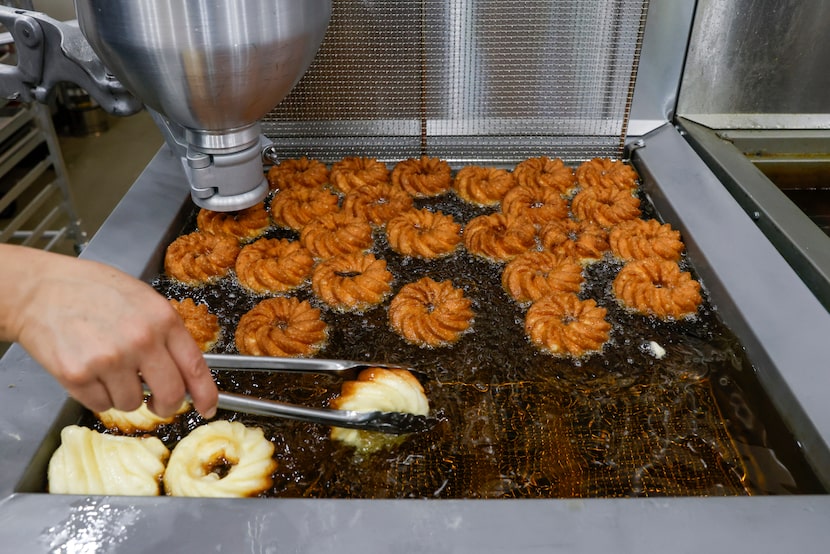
466,81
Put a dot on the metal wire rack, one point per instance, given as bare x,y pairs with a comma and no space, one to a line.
467,81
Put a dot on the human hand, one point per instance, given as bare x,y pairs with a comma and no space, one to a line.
101,333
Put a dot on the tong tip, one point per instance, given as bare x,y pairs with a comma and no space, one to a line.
399,423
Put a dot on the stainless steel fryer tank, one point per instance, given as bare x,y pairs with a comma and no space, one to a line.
783,335
779,321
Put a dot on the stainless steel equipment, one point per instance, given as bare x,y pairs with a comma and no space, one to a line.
208,70
467,82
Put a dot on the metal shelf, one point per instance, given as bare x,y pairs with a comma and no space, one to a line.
34,188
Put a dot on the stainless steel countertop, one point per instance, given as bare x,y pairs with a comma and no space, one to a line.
781,324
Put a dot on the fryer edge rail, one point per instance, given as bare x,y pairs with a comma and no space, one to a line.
782,325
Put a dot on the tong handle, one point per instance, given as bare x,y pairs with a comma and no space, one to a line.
294,365
301,365
382,422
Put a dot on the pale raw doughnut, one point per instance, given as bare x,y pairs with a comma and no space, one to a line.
141,419
89,462
222,459
381,390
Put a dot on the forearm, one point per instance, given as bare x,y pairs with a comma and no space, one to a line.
20,270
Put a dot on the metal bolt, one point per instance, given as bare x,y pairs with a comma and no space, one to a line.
29,31
269,154
198,160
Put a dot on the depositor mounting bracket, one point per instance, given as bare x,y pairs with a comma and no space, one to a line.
50,52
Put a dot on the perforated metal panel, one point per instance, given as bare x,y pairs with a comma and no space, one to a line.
467,81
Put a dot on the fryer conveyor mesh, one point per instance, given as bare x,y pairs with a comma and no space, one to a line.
466,81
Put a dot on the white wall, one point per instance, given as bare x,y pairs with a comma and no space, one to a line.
59,9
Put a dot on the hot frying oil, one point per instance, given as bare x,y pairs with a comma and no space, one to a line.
519,423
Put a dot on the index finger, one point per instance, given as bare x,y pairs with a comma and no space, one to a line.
194,371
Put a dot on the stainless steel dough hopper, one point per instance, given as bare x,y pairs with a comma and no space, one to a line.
207,70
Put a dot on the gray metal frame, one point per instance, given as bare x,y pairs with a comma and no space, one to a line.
665,40
755,81
782,325
46,216
800,241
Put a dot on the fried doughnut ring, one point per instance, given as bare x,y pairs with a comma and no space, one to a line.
499,237
430,314
606,173
657,287
198,258
539,204
281,327
564,325
548,173
422,177
354,172
202,325
273,266
532,275
301,172
639,239
483,186
336,234
605,206
377,204
581,240
296,207
423,234
245,224
351,282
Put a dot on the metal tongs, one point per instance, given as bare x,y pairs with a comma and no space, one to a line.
383,422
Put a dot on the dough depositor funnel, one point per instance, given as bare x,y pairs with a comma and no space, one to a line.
208,70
